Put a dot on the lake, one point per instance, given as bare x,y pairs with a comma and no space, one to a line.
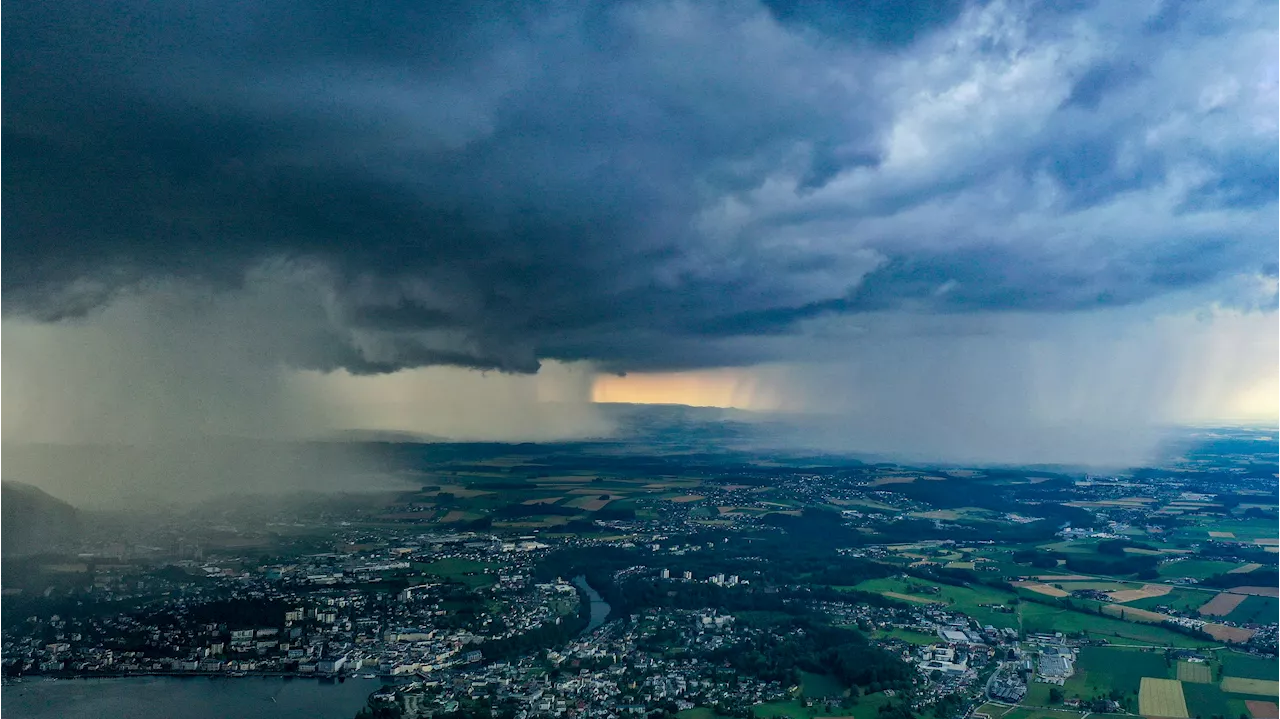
193,698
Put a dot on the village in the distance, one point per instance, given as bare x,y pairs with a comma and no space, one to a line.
612,579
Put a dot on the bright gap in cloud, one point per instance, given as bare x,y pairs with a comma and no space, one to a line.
730,388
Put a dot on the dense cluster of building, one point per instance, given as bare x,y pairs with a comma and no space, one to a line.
321,614
610,672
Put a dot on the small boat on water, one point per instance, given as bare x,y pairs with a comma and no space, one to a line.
237,674
368,676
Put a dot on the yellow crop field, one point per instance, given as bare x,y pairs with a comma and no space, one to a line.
1257,687
1195,672
1147,591
1162,698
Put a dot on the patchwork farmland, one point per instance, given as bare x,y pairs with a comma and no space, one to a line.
1162,698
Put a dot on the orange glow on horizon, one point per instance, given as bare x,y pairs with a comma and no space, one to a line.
729,388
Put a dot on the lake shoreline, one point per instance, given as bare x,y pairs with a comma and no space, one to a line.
165,697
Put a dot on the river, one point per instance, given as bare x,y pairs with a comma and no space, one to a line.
599,608
185,698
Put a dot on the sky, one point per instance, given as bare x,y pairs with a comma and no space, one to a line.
989,230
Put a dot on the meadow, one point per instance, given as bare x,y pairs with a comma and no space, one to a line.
1195,568
1235,664
1101,670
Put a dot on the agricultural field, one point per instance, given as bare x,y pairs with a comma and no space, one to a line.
466,571
1101,670
1256,610
1184,600
1146,591
1133,615
969,600
908,636
1072,546
1029,713
1042,588
1207,700
1267,591
1225,633
959,513
997,608
1195,568
1262,709
1235,664
994,711
1037,694
1256,687
1162,698
867,708
912,598
1096,585
1240,529
1196,672
593,503
1221,605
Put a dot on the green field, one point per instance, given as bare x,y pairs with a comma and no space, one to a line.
1256,610
968,600
466,571
1243,529
867,707
908,636
1029,713
1195,568
1206,700
1101,670
1072,546
1186,600
995,711
1195,672
1036,616
1248,666
1038,694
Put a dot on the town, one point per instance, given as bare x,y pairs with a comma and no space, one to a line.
537,591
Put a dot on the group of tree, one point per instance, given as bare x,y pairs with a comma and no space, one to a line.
802,644
550,634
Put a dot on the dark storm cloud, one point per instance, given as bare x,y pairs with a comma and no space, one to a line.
491,184
888,22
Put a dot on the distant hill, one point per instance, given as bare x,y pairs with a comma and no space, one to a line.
33,521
